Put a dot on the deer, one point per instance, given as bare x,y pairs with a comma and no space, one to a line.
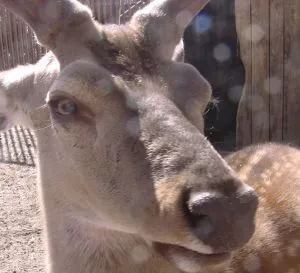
272,169
127,181
272,248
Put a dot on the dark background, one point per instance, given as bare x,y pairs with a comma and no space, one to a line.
211,45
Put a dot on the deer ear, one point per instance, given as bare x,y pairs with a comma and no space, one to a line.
163,22
56,23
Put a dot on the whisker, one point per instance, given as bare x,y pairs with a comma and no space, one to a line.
41,107
42,128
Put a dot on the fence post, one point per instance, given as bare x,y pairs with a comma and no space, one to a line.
270,49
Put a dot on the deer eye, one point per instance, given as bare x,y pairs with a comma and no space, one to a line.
63,107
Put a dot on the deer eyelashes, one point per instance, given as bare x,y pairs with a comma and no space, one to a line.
63,108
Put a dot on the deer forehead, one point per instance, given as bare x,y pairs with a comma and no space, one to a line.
124,52
92,84
121,54
83,80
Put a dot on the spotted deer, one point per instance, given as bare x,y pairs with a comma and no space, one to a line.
273,171
127,181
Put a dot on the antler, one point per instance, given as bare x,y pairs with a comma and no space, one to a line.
54,21
164,21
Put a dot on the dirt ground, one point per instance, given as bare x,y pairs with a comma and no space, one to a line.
21,248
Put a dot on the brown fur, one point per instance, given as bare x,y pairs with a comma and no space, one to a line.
120,175
273,171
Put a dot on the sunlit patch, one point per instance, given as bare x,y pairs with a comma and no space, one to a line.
253,160
140,254
254,33
202,23
276,166
183,18
15,76
266,179
222,52
235,93
252,263
133,127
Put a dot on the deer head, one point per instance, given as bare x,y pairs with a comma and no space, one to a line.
124,162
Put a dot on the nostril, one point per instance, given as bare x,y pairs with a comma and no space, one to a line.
224,222
203,226
201,213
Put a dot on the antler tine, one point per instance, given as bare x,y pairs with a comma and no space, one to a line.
164,21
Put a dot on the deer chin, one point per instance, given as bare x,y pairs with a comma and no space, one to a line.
191,261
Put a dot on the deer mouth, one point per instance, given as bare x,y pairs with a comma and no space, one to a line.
191,261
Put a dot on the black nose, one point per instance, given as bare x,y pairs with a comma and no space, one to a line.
223,221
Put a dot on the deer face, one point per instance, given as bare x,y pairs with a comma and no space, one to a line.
124,143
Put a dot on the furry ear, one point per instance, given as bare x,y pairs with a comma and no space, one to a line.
163,22
56,23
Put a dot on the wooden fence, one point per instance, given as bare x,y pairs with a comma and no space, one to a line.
269,34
